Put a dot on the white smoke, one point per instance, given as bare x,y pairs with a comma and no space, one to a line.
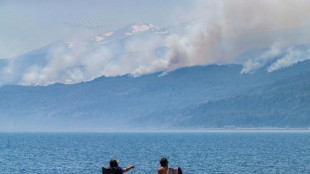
232,27
78,61
292,56
272,53
222,31
68,65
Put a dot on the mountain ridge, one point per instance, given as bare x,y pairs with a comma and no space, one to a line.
127,102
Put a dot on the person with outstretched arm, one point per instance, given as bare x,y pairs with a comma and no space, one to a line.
165,169
115,169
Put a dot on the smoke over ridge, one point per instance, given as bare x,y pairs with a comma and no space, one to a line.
219,33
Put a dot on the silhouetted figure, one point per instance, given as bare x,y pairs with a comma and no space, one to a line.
115,169
165,169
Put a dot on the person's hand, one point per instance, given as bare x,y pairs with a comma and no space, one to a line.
129,168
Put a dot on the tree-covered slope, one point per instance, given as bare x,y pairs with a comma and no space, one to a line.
284,103
201,96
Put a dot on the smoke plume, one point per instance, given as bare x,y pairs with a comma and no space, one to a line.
219,32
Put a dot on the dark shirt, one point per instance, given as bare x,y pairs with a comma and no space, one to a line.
112,170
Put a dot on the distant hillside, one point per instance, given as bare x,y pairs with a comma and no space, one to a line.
285,103
192,97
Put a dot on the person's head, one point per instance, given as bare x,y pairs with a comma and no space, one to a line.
114,163
164,162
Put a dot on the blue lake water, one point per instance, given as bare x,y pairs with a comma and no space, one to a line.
195,153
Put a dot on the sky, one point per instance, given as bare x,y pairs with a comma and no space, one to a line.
201,32
31,24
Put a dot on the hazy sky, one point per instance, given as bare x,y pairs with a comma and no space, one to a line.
29,24
216,32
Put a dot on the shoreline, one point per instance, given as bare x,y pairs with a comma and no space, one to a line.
204,130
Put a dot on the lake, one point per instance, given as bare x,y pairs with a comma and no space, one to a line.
194,152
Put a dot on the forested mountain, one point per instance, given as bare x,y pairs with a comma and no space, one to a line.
191,97
284,103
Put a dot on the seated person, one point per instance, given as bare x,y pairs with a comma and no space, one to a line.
115,169
165,169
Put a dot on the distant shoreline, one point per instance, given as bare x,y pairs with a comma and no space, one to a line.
204,130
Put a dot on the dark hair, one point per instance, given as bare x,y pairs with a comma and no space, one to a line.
163,162
113,163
